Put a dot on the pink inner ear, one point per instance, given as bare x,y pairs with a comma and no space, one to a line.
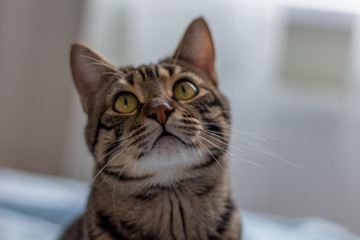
206,56
87,78
87,66
84,77
197,47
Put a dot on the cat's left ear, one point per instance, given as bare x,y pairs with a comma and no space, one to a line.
90,71
197,48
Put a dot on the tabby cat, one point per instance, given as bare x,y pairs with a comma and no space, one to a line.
159,134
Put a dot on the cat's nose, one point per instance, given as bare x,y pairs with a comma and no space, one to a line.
160,110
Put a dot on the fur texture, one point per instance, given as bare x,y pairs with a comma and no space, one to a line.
156,180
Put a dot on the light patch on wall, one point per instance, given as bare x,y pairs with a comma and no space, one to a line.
316,49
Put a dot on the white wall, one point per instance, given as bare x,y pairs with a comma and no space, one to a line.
309,156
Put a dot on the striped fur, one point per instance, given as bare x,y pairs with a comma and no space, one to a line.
146,187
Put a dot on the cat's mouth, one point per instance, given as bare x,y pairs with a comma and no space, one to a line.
165,134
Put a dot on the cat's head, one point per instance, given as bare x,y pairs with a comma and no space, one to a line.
157,117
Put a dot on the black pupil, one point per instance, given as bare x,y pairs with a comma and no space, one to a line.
125,101
183,88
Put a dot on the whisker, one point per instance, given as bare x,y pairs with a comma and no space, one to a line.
211,155
134,148
241,173
228,154
255,135
100,63
265,151
246,133
102,150
118,154
112,73
108,145
273,155
93,180
225,143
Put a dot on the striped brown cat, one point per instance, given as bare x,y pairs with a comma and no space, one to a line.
159,134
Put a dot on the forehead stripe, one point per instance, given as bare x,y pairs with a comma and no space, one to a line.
150,73
141,73
130,79
156,70
170,69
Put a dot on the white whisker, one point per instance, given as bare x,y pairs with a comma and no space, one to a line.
211,155
228,154
121,173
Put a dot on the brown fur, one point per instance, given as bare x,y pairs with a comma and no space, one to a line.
177,188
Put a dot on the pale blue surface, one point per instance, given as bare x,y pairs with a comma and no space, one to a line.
38,207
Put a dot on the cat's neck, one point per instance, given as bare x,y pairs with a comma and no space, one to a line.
200,199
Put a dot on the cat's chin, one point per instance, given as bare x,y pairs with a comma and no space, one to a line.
165,141
168,152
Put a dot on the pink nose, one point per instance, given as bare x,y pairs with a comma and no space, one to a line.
160,110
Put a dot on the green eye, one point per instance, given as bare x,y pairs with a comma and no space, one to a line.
184,90
126,103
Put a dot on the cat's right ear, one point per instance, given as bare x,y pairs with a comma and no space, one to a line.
197,48
88,70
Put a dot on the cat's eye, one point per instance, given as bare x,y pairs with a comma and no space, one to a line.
126,103
184,90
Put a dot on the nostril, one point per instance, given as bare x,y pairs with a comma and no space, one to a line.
154,116
160,113
168,112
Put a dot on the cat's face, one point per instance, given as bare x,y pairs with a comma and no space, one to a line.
156,117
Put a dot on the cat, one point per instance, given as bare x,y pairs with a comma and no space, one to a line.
159,134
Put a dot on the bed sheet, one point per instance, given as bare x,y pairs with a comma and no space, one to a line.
39,207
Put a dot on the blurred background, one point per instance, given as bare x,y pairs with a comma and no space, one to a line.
289,67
